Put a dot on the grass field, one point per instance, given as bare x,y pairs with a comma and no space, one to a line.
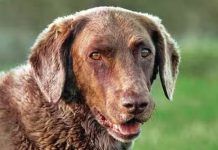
190,122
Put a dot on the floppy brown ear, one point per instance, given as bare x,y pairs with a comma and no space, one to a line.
168,64
51,57
167,56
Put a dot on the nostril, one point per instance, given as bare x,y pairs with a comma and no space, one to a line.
142,106
130,107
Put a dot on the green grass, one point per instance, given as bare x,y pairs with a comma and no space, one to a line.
190,122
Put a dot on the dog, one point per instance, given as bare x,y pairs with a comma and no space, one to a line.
87,82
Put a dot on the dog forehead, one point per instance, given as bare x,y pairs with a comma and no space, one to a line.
114,22
114,26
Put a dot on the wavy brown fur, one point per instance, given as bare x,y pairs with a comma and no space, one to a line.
32,123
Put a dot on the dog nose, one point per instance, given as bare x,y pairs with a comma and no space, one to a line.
134,106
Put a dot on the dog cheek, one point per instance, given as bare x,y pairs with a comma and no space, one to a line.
93,88
113,113
102,88
112,105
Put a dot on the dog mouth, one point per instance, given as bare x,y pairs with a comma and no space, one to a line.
124,132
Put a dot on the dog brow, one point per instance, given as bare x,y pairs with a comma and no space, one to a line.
103,43
136,41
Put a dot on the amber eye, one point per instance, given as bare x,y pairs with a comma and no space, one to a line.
145,52
95,56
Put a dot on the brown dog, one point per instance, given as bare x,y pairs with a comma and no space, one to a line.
87,83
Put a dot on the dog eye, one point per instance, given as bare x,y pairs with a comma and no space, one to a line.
95,56
145,52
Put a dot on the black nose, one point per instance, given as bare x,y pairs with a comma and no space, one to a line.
135,106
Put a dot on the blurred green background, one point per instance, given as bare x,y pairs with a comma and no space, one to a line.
190,122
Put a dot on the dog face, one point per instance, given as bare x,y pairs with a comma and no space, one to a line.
113,57
113,63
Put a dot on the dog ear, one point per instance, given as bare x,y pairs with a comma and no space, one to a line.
167,56
168,62
51,57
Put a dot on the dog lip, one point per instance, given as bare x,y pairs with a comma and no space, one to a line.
123,136
128,129
125,131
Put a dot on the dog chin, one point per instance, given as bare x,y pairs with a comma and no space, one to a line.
125,132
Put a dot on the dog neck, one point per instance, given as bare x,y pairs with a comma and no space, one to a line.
65,126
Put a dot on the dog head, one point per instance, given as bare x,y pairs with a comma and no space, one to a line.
110,56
